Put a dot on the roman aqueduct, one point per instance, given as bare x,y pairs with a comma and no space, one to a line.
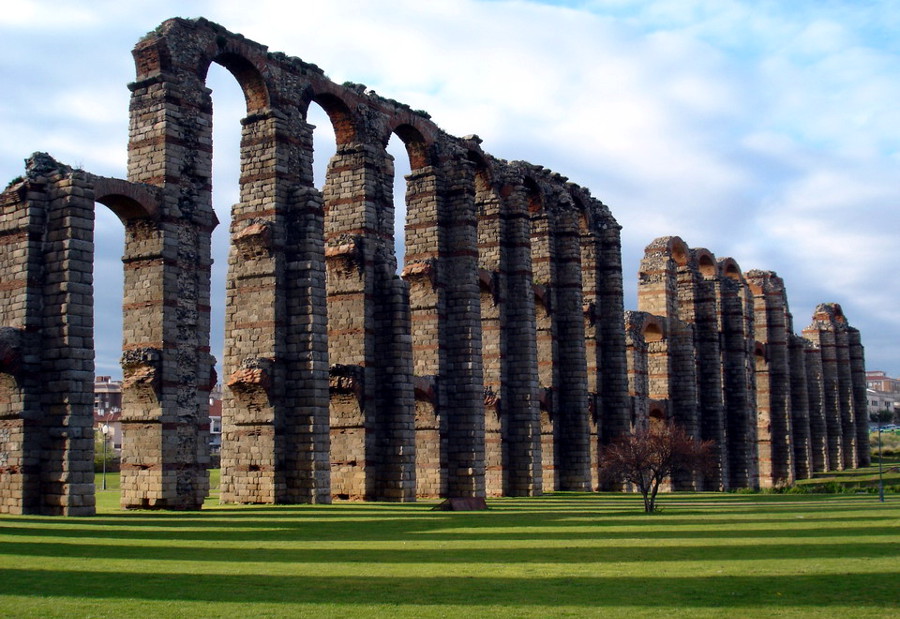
498,362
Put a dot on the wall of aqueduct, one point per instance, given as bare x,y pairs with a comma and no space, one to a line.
499,362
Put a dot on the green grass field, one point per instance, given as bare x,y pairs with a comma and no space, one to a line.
705,555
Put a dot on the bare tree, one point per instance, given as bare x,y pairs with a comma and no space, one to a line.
646,457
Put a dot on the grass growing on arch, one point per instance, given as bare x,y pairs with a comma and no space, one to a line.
705,555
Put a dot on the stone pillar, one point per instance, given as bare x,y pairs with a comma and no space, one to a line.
707,328
800,409
519,402
545,329
738,375
845,394
46,343
371,444
67,364
607,364
821,333
441,264
615,412
773,386
462,381
420,273
492,283
164,418
24,207
572,445
818,426
860,401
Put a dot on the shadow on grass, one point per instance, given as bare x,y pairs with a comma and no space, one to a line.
863,590
429,529
570,555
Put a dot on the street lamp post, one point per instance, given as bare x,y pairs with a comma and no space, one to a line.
104,430
880,473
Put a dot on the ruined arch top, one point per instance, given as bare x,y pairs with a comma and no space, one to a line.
509,308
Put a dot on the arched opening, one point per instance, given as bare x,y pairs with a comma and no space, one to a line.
731,270
653,332
324,142
679,252
706,265
402,168
108,280
109,241
229,106
254,93
409,150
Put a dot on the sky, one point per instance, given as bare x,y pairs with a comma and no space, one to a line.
766,131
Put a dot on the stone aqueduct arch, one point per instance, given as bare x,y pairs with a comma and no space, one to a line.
332,362
715,350
498,362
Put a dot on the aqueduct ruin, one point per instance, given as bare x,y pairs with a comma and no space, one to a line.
499,362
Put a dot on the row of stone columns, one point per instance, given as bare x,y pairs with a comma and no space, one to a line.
495,364
714,350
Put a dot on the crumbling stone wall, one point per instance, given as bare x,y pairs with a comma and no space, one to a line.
496,363
838,356
342,378
714,351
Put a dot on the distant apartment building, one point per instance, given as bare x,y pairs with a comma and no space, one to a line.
108,409
882,393
876,380
108,412
215,419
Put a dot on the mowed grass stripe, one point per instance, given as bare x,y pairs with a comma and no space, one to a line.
705,555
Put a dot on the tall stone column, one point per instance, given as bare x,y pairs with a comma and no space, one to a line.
603,297
818,426
166,362
441,266
371,395
707,324
519,403
46,343
615,413
821,333
845,395
542,253
773,387
572,445
800,409
738,375
860,401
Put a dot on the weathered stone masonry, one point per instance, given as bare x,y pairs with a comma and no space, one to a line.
497,363
714,350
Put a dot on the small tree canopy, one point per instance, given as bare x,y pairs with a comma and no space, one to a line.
645,458
882,416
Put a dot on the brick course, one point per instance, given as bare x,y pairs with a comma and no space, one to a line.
499,362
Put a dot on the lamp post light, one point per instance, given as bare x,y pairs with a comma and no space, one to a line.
880,472
104,430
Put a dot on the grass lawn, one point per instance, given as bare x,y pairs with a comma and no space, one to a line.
853,480
705,555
